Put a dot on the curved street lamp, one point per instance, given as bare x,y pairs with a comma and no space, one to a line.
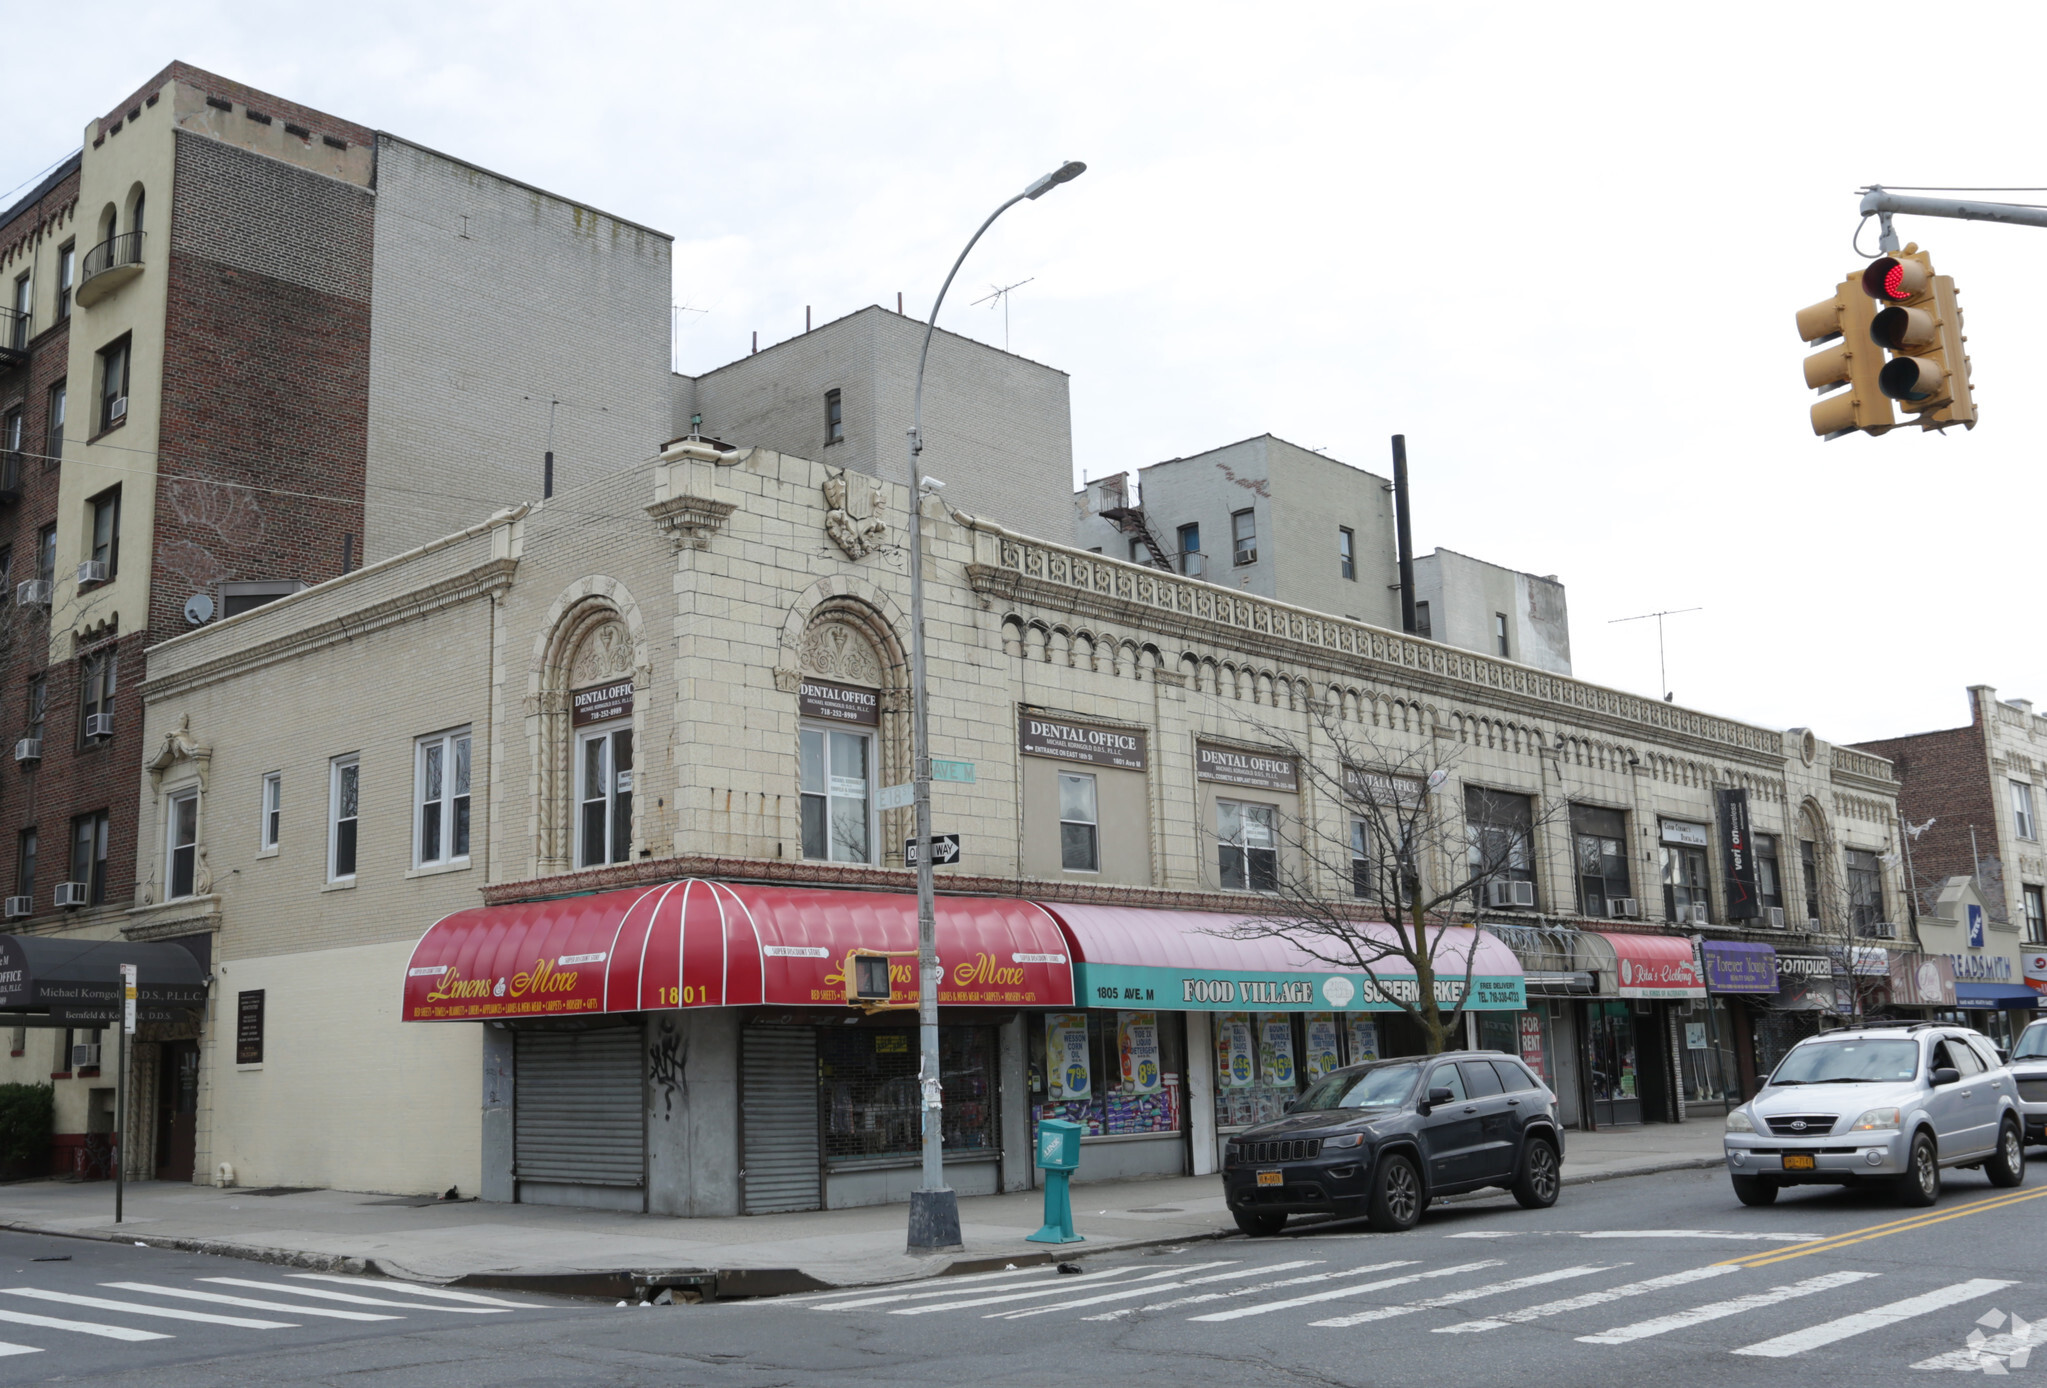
934,1208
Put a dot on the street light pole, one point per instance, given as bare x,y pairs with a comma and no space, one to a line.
934,1208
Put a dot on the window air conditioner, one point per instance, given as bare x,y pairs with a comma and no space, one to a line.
85,1056
1698,914
92,571
99,725
1776,918
34,593
1510,895
117,408
1812,924
28,749
1623,907
19,906
1884,930
72,893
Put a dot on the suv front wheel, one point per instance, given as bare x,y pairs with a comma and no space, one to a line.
1755,1190
1920,1185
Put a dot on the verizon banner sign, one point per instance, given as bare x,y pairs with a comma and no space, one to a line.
1038,736
1258,770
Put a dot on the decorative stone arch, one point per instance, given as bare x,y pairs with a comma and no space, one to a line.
591,633
845,639
863,603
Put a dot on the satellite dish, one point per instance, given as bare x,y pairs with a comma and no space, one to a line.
199,609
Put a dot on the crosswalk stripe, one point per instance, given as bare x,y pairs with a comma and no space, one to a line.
1015,1275
1876,1318
223,1299
1588,1300
353,1299
1387,1313
105,1332
1148,1289
172,1313
1717,1310
414,1288
7,1349
1053,1287
1239,1312
1124,1311
1042,1291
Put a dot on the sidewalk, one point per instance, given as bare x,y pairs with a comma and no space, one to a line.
551,1248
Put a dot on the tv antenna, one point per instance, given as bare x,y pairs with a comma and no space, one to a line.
1662,672
1000,295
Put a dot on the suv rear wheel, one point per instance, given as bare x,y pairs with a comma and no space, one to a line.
1396,1194
1755,1190
1536,1183
1920,1185
2008,1167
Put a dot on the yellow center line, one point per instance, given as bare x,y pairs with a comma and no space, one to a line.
1878,1231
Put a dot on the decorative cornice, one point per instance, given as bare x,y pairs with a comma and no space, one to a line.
191,915
691,520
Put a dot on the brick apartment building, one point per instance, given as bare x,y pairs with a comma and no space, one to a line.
246,347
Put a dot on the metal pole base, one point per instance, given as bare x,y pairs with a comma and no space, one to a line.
935,1221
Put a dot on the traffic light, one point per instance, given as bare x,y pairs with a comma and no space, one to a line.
1920,324
1855,362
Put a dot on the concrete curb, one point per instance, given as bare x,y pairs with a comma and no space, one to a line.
717,1283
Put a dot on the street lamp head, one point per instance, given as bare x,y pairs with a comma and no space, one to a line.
1065,173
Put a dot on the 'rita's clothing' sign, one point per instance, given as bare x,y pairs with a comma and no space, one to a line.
602,703
1258,770
1051,737
838,703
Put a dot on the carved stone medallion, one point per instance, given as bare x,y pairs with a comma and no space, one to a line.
854,513
837,651
605,653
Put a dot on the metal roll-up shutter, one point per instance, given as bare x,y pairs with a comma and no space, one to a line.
779,1109
578,1116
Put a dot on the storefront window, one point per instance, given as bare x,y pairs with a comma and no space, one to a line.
872,1106
1114,1072
1709,1069
835,794
1616,1090
1600,841
1687,899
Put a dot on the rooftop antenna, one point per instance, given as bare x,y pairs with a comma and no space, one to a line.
1000,295
1662,672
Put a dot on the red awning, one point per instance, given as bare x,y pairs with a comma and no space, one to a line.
1654,966
706,944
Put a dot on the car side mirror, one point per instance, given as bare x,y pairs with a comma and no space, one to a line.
1946,1075
1291,1105
1441,1095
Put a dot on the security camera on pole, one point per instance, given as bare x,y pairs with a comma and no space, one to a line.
934,1208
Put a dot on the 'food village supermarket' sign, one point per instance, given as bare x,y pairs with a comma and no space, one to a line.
1206,990
1257,770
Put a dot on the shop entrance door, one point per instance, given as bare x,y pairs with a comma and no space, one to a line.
177,1110
1615,1082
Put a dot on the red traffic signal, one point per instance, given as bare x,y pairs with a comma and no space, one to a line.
1891,280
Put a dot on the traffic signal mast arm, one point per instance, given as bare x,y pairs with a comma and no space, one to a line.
1878,203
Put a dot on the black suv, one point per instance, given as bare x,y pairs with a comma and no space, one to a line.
1385,1138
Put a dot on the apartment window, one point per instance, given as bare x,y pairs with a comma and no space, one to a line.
1809,871
1079,829
89,855
97,688
837,818
1769,881
106,530
2022,811
343,801
604,795
67,274
1599,839
1346,552
1137,551
38,705
834,418
1865,890
2036,916
248,594
1190,551
1421,622
1244,537
113,368
1687,894
182,851
25,863
24,300
1499,833
10,432
273,810
1500,635
53,433
135,222
441,799
46,553
1247,845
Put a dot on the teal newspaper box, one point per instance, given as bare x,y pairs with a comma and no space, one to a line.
1059,1156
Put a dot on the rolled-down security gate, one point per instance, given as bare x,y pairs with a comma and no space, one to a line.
579,1119
779,1111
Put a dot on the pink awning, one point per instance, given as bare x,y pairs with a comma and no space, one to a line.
1654,966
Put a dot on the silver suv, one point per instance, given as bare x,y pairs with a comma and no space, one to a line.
1879,1104
2029,1071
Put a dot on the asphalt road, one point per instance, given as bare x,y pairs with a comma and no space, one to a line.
1659,1279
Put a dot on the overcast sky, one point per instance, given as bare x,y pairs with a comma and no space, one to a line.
1560,248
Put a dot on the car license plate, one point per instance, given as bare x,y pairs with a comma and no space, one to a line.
1271,1178
1796,1162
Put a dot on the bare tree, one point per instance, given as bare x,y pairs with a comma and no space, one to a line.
1391,888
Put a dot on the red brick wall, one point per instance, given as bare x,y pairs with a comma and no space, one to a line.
1945,776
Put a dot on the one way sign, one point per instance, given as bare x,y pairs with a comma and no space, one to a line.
945,850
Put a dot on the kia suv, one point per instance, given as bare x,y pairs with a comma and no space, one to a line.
1890,1105
1384,1138
2029,1071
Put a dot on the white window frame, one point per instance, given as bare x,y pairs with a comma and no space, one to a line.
607,733
831,799
173,804
2023,822
1093,825
337,769
448,747
1243,847
1244,538
270,812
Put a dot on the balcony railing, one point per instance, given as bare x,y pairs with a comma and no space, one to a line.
110,264
16,328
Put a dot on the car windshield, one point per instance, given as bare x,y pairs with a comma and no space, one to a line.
1386,1087
1849,1062
2031,1046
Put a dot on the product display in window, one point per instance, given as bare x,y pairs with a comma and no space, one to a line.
872,1105
1126,1065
